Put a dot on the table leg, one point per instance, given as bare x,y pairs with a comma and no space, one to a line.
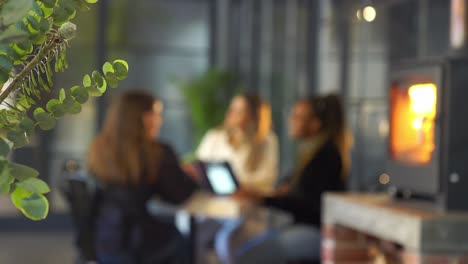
193,240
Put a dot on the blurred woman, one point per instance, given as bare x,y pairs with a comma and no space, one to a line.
133,167
318,125
246,141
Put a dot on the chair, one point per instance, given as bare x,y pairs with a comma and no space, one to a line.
81,192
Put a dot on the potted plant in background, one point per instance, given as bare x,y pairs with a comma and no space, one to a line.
207,97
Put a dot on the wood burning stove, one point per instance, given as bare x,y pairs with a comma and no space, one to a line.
428,141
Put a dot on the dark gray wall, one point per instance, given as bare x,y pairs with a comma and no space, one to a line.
166,42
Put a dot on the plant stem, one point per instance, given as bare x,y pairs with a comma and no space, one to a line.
26,70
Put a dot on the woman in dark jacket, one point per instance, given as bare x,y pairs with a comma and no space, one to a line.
133,167
318,125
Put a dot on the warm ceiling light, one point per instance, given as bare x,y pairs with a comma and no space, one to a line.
384,179
359,14
369,13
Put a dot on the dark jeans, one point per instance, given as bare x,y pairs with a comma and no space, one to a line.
175,252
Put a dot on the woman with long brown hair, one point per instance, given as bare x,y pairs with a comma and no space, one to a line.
246,141
133,167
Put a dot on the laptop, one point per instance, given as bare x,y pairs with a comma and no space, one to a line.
218,177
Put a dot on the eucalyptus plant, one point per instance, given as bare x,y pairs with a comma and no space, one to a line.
34,38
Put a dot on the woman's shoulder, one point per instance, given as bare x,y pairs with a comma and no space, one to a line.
215,135
215,132
329,151
271,141
164,147
272,137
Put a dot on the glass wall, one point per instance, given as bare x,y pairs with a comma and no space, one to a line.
269,45
165,42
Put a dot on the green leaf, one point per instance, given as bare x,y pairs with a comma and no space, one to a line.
120,69
42,83
62,15
3,116
5,64
4,167
57,65
62,95
4,148
34,185
71,106
14,11
81,4
18,138
23,101
80,94
33,25
38,38
92,1
49,79
107,67
18,195
49,69
22,48
63,59
100,81
12,35
35,207
32,205
44,25
33,80
56,108
49,3
68,5
37,9
27,125
5,177
22,26
5,67
6,185
3,77
22,172
112,80
12,117
45,120
47,10
87,81
93,91
52,103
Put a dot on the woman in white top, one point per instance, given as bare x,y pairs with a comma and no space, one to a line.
246,141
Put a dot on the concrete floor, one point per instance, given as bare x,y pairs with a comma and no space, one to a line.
36,247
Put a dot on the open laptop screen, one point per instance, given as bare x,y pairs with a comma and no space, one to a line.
220,177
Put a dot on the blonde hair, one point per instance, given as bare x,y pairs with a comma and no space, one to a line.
260,113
